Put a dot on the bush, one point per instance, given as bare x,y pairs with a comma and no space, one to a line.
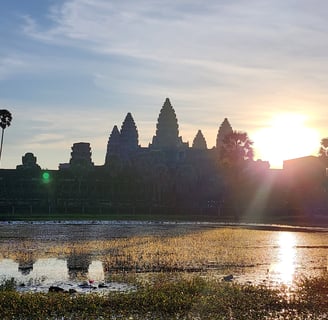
8,285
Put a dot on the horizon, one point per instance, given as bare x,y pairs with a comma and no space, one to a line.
72,69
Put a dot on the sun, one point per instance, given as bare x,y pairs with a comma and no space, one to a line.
287,137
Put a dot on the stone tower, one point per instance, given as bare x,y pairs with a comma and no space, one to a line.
167,129
124,142
128,136
81,154
224,130
113,145
199,141
29,162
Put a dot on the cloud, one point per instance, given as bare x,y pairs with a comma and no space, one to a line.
162,30
159,30
188,44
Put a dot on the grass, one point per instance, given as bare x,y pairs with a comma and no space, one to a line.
172,296
186,251
181,253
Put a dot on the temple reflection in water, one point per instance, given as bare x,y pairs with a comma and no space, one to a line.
78,265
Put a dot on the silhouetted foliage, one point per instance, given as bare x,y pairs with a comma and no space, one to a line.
236,148
323,151
234,154
5,121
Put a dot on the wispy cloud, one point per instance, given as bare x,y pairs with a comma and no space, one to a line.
167,29
213,43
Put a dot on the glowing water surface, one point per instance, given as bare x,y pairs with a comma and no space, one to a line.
285,267
64,252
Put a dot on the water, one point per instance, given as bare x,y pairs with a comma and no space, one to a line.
68,253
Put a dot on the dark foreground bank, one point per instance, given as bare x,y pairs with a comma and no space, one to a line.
173,297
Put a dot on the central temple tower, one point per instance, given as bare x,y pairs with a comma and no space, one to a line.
224,130
167,130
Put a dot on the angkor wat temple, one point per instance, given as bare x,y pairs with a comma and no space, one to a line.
167,177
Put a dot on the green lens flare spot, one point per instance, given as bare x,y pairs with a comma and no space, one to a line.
45,176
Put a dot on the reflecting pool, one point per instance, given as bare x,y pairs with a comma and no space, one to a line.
52,253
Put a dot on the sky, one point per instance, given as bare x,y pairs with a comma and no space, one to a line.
72,69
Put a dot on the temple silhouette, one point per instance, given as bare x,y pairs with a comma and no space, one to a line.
168,177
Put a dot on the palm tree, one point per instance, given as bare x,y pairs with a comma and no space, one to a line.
236,149
5,120
235,153
323,152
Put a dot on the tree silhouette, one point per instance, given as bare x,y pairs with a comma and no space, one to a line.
5,120
323,151
234,153
235,149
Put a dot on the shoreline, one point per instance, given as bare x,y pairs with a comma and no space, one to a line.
209,224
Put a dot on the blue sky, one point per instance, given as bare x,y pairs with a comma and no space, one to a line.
71,69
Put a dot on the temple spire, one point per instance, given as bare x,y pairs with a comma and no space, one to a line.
224,130
124,142
113,145
129,133
128,136
167,128
199,141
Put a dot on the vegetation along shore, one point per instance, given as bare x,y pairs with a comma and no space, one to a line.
173,296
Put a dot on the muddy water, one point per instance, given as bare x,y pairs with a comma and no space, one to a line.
44,254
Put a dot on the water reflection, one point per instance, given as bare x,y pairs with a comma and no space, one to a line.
253,255
25,262
284,269
51,270
78,265
96,271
